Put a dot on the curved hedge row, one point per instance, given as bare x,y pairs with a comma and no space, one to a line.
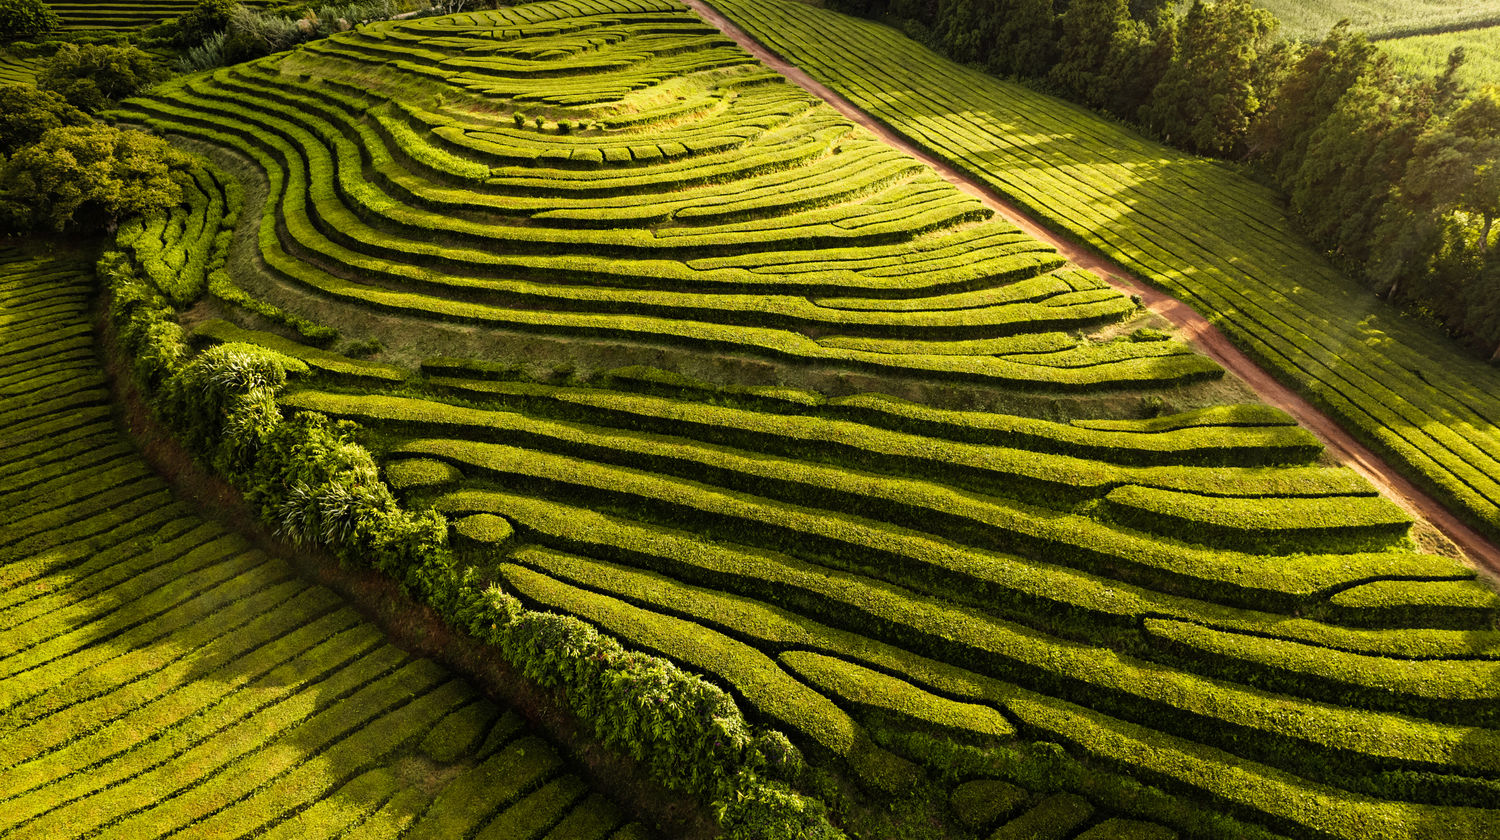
160,675
760,222
687,540
1146,626
1206,234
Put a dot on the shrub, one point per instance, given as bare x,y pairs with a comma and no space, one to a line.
90,177
92,76
26,19
208,18
27,113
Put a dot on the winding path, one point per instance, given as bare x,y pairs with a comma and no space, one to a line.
1203,335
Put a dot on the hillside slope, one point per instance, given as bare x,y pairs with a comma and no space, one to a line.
160,675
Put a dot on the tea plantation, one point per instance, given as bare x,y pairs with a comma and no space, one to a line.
1134,623
160,675
1196,228
90,15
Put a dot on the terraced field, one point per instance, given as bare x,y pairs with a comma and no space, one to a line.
1188,600
1427,55
1195,228
159,675
632,175
120,14
1381,18
1177,626
15,70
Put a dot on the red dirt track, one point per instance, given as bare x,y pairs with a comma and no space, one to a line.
1194,327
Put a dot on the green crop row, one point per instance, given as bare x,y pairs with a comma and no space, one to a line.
1027,470
1012,371
1263,436
1202,232
925,504
370,147
753,674
323,361
129,715
1264,525
775,578
863,687
1068,539
1080,605
771,627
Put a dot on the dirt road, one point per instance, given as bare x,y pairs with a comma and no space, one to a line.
1203,335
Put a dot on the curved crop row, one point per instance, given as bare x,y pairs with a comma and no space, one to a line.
760,535
121,14
749,219
160,675
1207,235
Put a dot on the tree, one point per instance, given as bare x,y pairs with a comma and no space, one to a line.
1352,159
1207,97
1434,243
1142,54
26,19
208,18
91,76
1093,32
1026,44
90,177
27,113
1471,158
1306,96
967,29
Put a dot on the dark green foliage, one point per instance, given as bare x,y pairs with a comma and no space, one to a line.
1092,32
313,482
207,18
1436,241
775,811
27,113
1007,37
89,177
26,19
1208,95
981,803
91,77
224,403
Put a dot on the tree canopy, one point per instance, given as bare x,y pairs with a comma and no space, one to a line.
87,177
27,113
1207,97
26,19
91,76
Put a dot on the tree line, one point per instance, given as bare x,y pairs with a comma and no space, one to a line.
1396,177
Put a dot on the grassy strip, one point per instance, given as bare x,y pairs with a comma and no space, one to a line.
324,361
1263,525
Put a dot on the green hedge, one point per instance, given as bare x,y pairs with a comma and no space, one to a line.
1203,232
981,803
312,483
863,687
1030,475
1054,818
982,523
1327,741
751,673
1264,525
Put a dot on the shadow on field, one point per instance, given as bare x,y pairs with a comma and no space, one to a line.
175,677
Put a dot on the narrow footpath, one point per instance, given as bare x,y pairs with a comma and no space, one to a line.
1196,329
